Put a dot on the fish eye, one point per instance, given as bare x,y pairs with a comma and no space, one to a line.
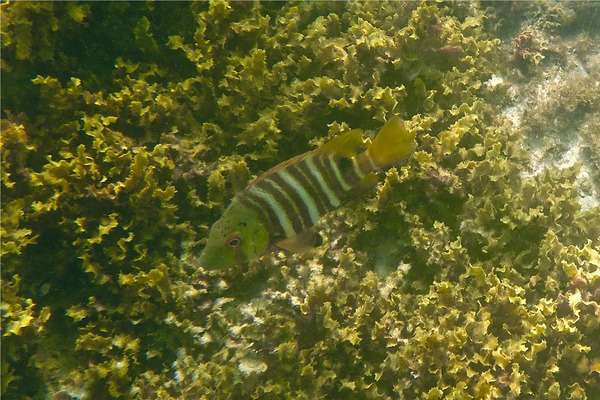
234,241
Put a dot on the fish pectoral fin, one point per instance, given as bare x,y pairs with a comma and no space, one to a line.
303,241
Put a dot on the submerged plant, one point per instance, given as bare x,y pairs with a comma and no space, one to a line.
460,276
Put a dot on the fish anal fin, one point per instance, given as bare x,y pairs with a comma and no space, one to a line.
300,242
345,144
368,182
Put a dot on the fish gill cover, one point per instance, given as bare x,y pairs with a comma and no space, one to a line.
472,271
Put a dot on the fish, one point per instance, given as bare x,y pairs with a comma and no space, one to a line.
280,208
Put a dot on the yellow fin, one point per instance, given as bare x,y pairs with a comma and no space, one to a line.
344,144
392,143
303,241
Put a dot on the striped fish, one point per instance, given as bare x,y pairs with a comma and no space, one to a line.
281,207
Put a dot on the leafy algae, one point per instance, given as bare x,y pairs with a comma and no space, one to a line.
116,162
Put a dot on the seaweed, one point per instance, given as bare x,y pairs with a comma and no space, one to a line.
469,272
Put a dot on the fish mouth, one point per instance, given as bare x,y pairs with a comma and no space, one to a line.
204,260
211,260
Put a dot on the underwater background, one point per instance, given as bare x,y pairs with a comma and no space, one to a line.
471,272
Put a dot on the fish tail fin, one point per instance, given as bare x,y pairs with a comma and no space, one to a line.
393,143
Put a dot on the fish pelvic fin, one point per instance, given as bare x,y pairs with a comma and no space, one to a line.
393,143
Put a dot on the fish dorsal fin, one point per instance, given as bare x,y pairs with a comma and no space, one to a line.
303,241
345,144
279,166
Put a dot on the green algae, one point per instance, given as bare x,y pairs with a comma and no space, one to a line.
460,276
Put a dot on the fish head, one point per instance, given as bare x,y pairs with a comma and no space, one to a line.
237,237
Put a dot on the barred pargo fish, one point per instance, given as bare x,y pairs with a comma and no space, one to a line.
281,206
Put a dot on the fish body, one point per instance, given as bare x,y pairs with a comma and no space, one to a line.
280,207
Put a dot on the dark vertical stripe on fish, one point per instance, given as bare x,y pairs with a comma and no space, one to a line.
335,163
353,173
264,212
280,222
364,164
301,171
293,189
285,200
314,169
329,175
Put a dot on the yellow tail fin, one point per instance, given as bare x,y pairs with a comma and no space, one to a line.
392,143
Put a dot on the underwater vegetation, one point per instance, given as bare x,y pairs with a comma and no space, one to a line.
472,271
